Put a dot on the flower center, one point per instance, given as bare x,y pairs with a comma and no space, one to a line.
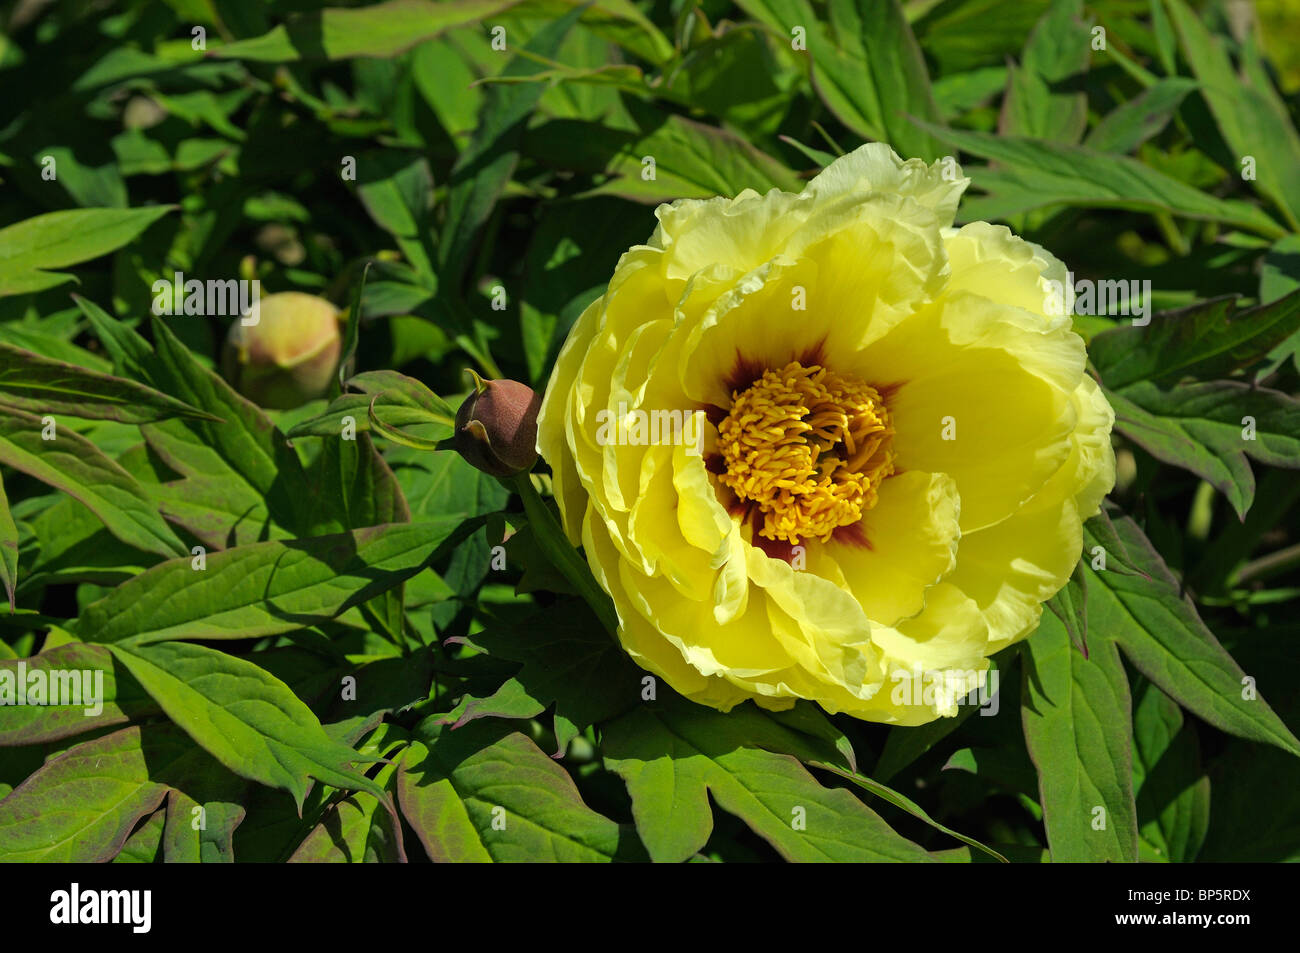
809,448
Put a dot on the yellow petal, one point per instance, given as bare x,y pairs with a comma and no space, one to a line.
734,235
990,261
982,393
854,270
875,167
913,534
1002,442
1010,569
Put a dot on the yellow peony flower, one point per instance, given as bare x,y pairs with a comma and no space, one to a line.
827,446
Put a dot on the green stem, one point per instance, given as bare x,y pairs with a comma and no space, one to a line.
1173,237
1269,565
550,536
481,355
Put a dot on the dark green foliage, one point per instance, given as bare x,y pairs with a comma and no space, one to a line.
327,646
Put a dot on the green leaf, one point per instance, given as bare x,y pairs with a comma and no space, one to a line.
330,423
355,486
247,441
1253,119
84,673
1280,276
1166,43
1076,715
247,451
964,34
244,717
30,282
1005,767
397,190
959,92
554,542
47,342
1144,116
59,239
568,660
405,402
1058,49
130,353
735,75
82,805
353,482
511,700
360,828
619,21
1211,428
1161,633
1256,791
142,847
1037,174
219,504
674,755
818,157
351,334
401,437
264,588
1173,794
1114,555
88,186
71,545
1208,340
218,509
866,65
1070,605
8,548
903,745
484,168
1281,272
400,299
198,781
337,33
445,78
571,254
40,385
357,489
485,793
873,76
212,843
436,483
692,160
73,464
904,803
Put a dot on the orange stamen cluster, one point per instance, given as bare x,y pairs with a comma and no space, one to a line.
809,448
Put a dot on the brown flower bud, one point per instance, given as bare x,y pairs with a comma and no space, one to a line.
284,352
496,427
